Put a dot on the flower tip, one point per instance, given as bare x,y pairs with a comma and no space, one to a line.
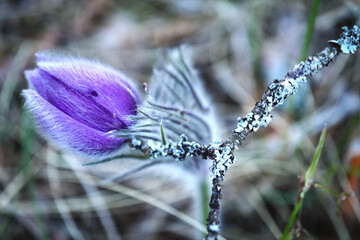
26,93
29,97
29,74
39,55
44,56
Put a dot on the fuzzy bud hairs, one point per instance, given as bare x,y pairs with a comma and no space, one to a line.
77,102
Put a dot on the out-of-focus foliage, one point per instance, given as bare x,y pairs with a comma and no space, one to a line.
239,47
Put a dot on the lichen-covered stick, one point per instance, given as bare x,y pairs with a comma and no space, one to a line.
222,152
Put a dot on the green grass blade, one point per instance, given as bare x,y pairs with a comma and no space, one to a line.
329,190
27,141
309,174
205,197
162,134
308,177
286,234
309,30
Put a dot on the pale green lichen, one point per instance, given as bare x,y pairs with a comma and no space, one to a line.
349,40
278,91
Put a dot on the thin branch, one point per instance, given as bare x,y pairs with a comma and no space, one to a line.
222,152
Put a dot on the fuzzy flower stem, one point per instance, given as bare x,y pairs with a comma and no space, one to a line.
222,152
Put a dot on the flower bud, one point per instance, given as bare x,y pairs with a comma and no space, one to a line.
77,102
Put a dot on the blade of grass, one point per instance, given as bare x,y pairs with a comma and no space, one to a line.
305,46
6,95
61,204
123,156
104,215
309,30
258,204
344,141
287,234
162,134
306,183
14,75
22,179
204,200
156,203
253,30
27,142
120,176
327,189
309,174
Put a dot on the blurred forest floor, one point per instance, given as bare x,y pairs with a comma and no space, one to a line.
239,48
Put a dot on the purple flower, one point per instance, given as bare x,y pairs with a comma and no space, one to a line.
77,102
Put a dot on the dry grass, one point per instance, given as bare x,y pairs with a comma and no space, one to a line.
240,46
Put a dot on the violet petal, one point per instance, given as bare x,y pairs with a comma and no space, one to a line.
65,131
110,88
80,105
36,81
